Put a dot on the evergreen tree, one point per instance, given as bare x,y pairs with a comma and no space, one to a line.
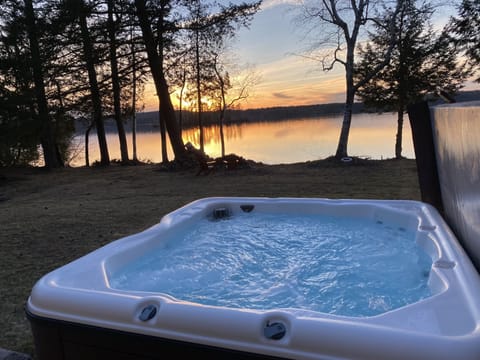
30,114
421,63
18,130
464,32
47,137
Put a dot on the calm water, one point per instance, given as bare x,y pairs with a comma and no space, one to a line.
338,265
289,141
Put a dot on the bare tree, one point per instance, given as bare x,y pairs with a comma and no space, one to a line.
230,94
341,23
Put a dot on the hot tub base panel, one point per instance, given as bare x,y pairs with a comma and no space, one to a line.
61,340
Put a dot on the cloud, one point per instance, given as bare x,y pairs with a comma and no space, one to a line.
282,95
292,80
271,3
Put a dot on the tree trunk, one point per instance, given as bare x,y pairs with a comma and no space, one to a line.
399,136
87,151
222,111
222,136
180,101
163,137
199,93
117,111
134,134
350,98
223,105
156,67
94,89
134,101
47,137
345,132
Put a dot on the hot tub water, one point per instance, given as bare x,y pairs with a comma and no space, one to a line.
347,266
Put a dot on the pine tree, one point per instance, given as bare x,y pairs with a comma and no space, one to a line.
421,62
464,32
30,115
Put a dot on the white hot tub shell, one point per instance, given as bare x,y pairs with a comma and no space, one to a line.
75,314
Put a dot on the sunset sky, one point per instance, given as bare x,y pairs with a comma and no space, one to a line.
273,47
274,44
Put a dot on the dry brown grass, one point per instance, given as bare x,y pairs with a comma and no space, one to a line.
49,218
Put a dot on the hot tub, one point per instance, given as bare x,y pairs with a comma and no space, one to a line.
84,310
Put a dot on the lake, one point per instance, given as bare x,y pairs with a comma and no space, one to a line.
287,141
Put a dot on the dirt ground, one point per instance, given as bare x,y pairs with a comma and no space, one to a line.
49,218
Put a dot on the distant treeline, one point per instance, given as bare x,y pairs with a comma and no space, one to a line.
190,119
146,121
